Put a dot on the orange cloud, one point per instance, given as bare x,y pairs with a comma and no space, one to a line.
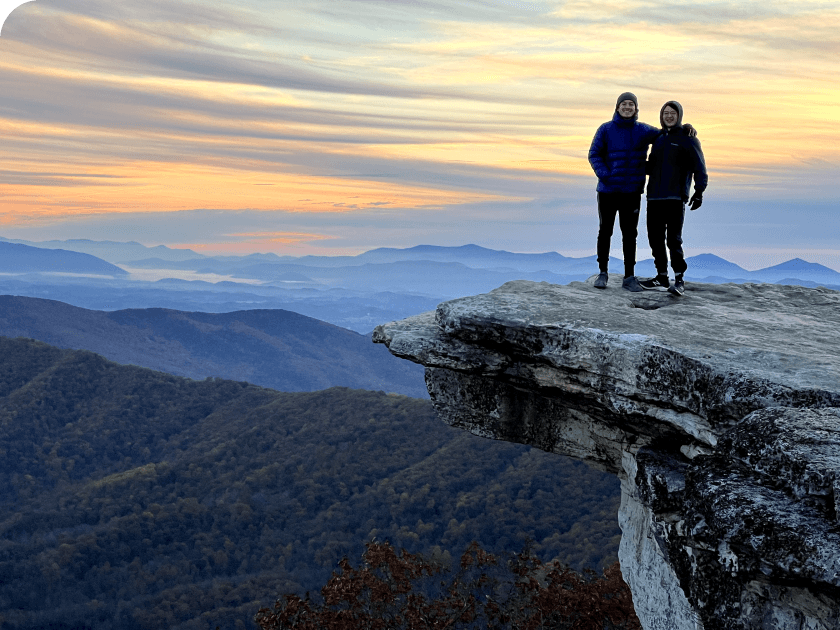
166,187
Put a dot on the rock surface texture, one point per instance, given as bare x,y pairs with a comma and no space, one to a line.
719,411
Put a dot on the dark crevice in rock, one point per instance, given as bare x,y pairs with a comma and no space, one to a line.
649,304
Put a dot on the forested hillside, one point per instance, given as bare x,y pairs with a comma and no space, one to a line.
136,499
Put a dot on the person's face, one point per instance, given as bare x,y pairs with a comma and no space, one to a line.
669,116
627,109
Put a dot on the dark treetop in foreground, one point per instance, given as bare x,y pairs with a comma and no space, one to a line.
402,591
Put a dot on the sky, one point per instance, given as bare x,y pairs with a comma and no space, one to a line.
337,126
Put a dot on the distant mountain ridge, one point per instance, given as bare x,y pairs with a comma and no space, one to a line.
272,348
111,251
360,270
799,269
18,258
354,292
470,255
384,264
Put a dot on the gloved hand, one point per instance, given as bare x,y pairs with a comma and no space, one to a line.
696,200
691,131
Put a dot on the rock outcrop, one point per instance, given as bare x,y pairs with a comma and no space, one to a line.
719,411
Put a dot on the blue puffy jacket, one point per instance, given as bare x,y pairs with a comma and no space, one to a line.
618,154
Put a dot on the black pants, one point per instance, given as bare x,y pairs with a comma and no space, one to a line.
665,218
626,205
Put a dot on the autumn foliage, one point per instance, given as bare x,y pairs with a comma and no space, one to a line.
402,591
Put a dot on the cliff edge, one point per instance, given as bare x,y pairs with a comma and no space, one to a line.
719,412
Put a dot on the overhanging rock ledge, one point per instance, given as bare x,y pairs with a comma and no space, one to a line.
719,412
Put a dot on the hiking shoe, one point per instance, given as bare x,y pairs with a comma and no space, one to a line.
679,286
601,282
631,283
659,282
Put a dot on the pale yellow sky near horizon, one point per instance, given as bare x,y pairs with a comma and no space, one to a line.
336,127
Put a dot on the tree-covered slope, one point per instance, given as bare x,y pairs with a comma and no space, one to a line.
136,499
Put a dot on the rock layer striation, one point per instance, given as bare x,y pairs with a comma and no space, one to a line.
719,412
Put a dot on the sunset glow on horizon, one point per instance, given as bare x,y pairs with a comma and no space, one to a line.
338,126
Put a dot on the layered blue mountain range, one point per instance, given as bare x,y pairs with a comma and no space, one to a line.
452,264
355,292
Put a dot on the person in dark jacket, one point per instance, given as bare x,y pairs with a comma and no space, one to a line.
675,159
617,155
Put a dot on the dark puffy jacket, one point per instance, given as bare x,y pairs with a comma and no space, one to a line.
674,159
618,153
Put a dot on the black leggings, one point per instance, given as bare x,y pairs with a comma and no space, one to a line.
626,205
665,218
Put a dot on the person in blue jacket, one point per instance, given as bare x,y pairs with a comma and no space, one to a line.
675,159
617,155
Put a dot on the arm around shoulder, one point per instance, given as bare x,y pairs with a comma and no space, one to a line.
650,133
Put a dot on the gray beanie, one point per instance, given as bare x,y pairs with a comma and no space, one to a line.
627,96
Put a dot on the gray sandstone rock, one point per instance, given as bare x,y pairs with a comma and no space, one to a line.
719,411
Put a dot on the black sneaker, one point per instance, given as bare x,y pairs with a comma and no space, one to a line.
659,282
679,286
601,282
631,283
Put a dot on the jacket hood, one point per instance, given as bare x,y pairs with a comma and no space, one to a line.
676,106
